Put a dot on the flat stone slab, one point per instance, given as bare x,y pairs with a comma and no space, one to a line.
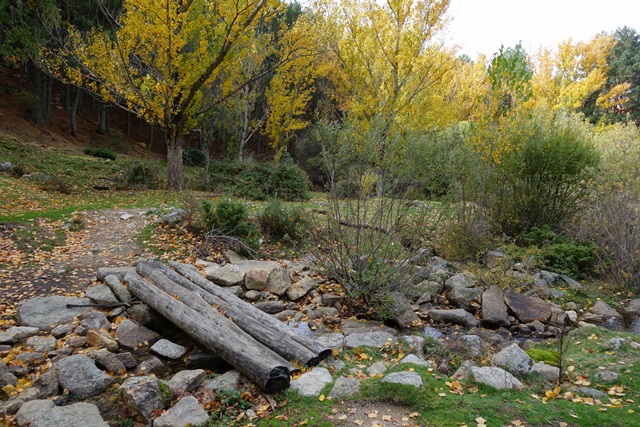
312,383
225,382
16,333
132,335
345,387
48,312
79,414
527,308
404,377
494,310
495,377
369,339
168,349
187,412
456,316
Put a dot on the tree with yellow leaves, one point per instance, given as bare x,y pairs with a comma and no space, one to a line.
158,59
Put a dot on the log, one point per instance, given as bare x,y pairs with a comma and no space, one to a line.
255,361
291,350
230,300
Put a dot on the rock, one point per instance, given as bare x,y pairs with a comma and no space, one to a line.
16,333
495,377
101,294
141,313
271,307
225,382
233,257
462,280
62,330
47,312
252,295
256,280
154,366
279,281
607,376
166,348
428,291
186,381
132,335
369,339
633,308
333,340
229,275
527,308
41,344
144,396
547,372
300,288
335,365
464,370
79,414
118,289
108,361
572,316
497,258
589,392
402,313
455,317
513,359
119,272
81,377
101,339
415,344
464,297
345,387
187,412
601,308
207,361
6,377
30,359
614,343
288,315
470,345
331,299
31,411
415,360
494,310
47,384
6,166
403,377
94,320
377,369
169,215
311,383
569,281
126,216
127,360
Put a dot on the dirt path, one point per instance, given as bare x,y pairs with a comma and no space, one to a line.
108,238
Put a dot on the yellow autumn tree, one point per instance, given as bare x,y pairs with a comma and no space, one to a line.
159,58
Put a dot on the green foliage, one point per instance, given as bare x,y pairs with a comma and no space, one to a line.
510,77
550,357
283,222
102,152
140,175
54,184
192,157
229,218
260,181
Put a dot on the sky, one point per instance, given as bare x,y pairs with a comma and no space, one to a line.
482,26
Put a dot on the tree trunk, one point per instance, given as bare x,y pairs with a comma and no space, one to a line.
175,179
150,138
246,316
73,110
42,88
231,303
265,368
102,118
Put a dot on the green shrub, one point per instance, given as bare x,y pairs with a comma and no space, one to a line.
55,184
17,171
227,220
282,222
192,157
102,152
141,175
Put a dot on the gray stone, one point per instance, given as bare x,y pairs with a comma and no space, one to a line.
607,376
132,335
186,381
377,369
169,215
79,414
415,360
119,272
403,377
127,360
118,289
614,343
455,317
152,365
415,344
47,384
350,326
549,277
95,320
252,295
569,281
108,361
494,310
47,312
145,395
369,339
464,370
335,365
633,308
101,339
288,315
311,383
187,412
589,392
471,345
496,258
229,381
228,275
601,308
62,330
527,308
344,387
333,340
140,313
233,257
428,291
279,281
331,299
6,166
464,297
402,313
495,377
100,294
256,273
31,411
301,288
31,359
80,376
16,333
6,377
168,349
271,307
41,344
462,280
513,359
547,372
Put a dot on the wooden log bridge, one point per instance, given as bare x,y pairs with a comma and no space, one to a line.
259,346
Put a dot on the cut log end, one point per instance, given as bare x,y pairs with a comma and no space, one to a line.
278,380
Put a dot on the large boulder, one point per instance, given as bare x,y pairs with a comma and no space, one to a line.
495,377
527,308
101,294
279,281
462,280
79,375
455,317
513,359
345,387
369,339
403,377
131,335
311,383
187,412
494,310
301,288
228,275
16,333
145,395
46,313
79,414
464,297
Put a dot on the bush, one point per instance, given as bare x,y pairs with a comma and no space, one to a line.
282,222
191,157
55,183
139,175
102,152
228,220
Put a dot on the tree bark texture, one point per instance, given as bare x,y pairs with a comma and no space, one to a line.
175,178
